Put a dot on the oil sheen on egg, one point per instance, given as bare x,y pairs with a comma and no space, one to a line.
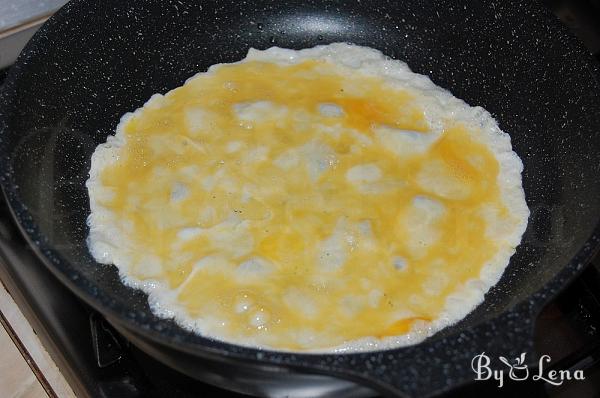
327,199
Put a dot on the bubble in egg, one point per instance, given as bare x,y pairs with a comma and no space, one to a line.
326,199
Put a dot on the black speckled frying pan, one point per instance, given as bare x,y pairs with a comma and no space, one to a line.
96,60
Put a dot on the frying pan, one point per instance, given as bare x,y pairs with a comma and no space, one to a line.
96,60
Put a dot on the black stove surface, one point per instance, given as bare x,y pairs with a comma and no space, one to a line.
98,362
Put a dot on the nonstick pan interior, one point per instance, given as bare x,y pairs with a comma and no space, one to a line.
96,60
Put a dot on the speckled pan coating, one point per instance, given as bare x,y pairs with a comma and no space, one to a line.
96,60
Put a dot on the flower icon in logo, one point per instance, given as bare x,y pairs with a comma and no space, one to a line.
518,366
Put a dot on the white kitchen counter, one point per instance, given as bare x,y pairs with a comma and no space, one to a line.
26,368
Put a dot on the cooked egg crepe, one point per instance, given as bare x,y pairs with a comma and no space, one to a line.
327,199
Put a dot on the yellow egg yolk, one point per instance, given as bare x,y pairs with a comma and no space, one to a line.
273,199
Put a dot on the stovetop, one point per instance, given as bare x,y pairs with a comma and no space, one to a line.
98,362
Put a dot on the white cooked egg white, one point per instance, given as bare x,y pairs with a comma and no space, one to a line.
321,200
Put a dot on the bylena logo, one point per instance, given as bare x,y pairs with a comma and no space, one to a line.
518,370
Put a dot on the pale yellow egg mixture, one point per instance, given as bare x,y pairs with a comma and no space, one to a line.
302,205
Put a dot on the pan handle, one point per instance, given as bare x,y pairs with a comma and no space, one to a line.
440,364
